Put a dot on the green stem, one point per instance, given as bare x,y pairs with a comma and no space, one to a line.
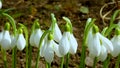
4,58
114,16
53,21
26,37
117,62
95,62
82,59
27,55
67,60
84,43
87,29
30,56
106,62
12,21
40,44
62,62
108,33
48,65
14,57
69,22
30,47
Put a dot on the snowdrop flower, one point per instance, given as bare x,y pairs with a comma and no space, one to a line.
98,45
57,33
48,49
49,52
54,47
6,40
68,43
73,44
64,45
56,30
35,36
116,44
21,42
94,46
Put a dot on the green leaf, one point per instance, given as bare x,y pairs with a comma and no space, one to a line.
84,9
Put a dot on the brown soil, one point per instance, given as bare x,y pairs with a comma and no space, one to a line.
26,11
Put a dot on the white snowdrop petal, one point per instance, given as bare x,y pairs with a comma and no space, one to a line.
56,49
0,4
103,54
116,45
6,40
32,39
94,45
57,33
1,35
21,42
43,46
106,42
64,45
49,54
13,41
42,49
73,44
37,36
90,37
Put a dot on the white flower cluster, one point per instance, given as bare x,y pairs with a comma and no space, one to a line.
8,41
53,42
100,46
58,44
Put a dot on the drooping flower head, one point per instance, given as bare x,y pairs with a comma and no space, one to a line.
68,42
94,42
21,42
55,28
36,35
116,43
48,49
6,40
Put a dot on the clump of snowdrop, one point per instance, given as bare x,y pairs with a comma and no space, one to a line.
21,42
5,37
98,45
